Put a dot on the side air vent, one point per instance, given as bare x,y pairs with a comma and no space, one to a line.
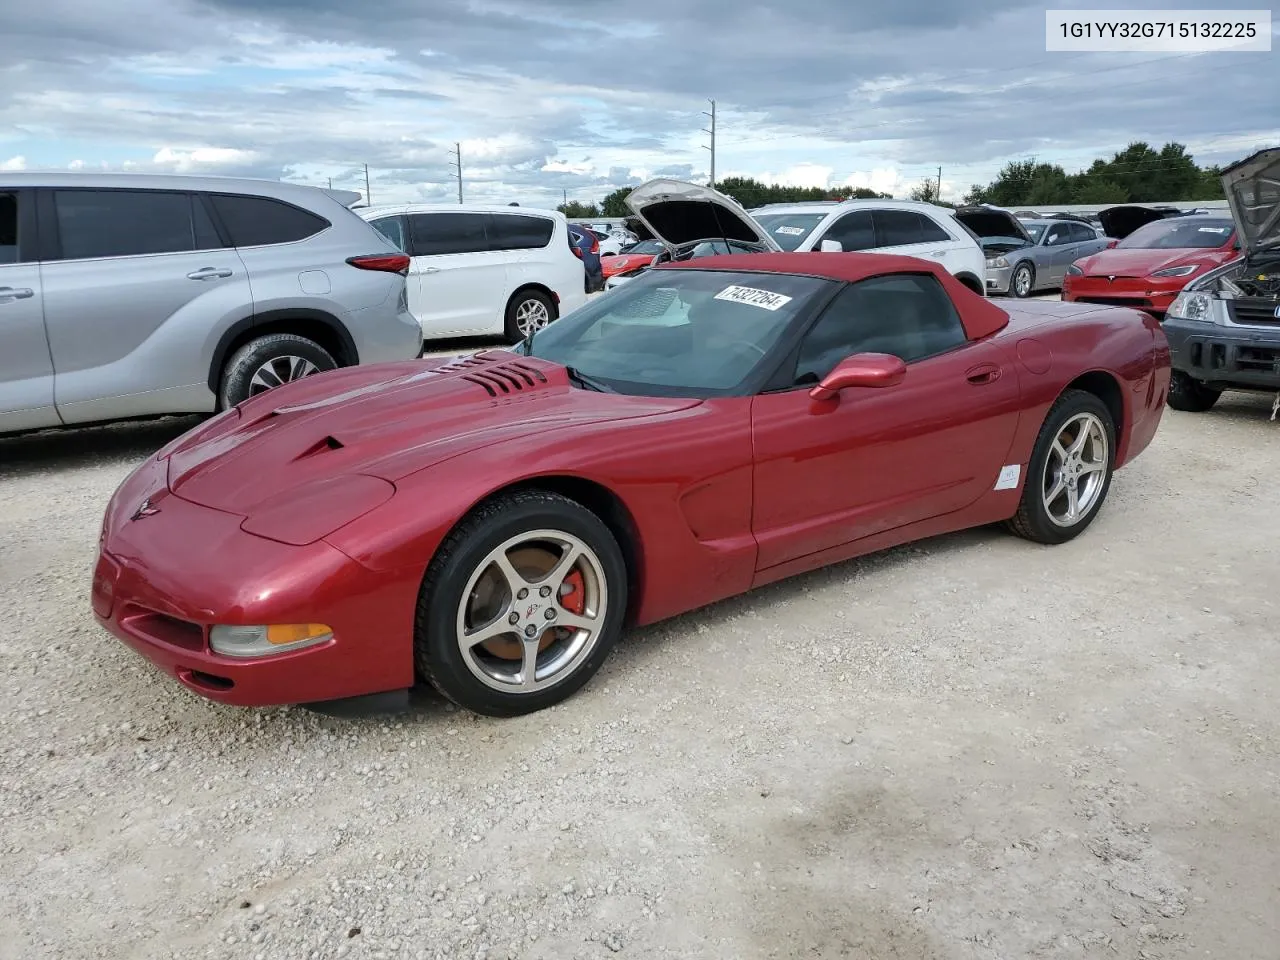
320,446
506,379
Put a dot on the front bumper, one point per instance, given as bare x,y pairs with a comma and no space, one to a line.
1140,293
1219,354
162,580
998,279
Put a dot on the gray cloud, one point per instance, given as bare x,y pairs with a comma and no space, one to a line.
575,95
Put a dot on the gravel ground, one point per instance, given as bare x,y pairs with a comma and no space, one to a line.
969,748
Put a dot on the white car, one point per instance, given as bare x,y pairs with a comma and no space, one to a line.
480,270
680,214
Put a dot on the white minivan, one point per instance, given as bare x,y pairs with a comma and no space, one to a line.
484,270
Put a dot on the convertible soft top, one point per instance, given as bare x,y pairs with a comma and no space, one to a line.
981,317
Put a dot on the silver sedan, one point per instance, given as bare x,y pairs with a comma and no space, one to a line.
1026,256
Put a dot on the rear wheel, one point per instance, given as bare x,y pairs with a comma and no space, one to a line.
1070,470
521,605
268,362
528,312
1190,395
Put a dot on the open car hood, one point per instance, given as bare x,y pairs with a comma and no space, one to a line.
992,222
677,212
1253,193
1120,221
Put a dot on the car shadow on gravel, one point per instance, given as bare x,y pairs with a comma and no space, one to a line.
71,447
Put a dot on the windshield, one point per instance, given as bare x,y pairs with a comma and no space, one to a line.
1179,233
644,248
789,230
681,333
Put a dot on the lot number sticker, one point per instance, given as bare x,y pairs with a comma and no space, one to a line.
756,298
790,231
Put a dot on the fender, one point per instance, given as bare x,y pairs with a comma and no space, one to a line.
277,318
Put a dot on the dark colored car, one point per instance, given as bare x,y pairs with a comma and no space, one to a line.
586,246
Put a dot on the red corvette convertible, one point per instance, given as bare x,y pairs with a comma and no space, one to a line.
493,523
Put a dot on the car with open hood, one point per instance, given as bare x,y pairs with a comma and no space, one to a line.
1224,327
683,215
491,523
1149,267
1026,255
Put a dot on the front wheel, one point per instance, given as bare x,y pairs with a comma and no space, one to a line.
521,605
1023,280
1070,470
1190,395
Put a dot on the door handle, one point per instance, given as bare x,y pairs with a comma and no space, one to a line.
15,293
430,269
939,253
983,373
209,273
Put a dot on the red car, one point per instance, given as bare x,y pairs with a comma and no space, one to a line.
492,523
632,258
1150,266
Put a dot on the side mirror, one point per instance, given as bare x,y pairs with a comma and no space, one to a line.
831,246
861,370
1110,244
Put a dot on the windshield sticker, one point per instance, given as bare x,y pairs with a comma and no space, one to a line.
790,231
1213,229
754,297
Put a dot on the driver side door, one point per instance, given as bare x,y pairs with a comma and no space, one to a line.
828,474
1062,253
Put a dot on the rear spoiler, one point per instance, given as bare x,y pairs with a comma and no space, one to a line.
348,198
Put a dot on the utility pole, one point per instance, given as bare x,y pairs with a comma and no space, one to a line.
938,198
565,191
712,148
457,162
368,200
331,183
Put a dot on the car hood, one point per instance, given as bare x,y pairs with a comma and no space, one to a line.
1253,193
992,222
677,212
1119,222
1142,263
383,421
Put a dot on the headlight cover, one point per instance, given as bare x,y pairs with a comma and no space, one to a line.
1074,271
1191,306
1184,271
997,262
265,640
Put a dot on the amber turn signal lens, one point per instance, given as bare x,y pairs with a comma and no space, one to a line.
280,633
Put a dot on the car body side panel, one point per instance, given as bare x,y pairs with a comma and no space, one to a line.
125,332
26,370
690,505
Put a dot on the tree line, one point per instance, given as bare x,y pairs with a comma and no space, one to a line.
745,190
1136,174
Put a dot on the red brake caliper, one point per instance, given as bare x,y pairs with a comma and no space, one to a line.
573,595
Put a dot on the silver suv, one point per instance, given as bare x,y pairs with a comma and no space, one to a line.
124,295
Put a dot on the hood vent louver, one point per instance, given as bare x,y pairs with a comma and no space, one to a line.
505,379
320,446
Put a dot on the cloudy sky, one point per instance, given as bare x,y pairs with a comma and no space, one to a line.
578,97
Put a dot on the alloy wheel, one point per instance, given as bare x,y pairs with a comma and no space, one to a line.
531,316
532,611
280,370
1075,472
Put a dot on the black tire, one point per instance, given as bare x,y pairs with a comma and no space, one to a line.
519,300
1030,271
237,383
1032,521
1190,395
437,653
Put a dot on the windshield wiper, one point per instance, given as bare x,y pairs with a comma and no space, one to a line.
589,383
